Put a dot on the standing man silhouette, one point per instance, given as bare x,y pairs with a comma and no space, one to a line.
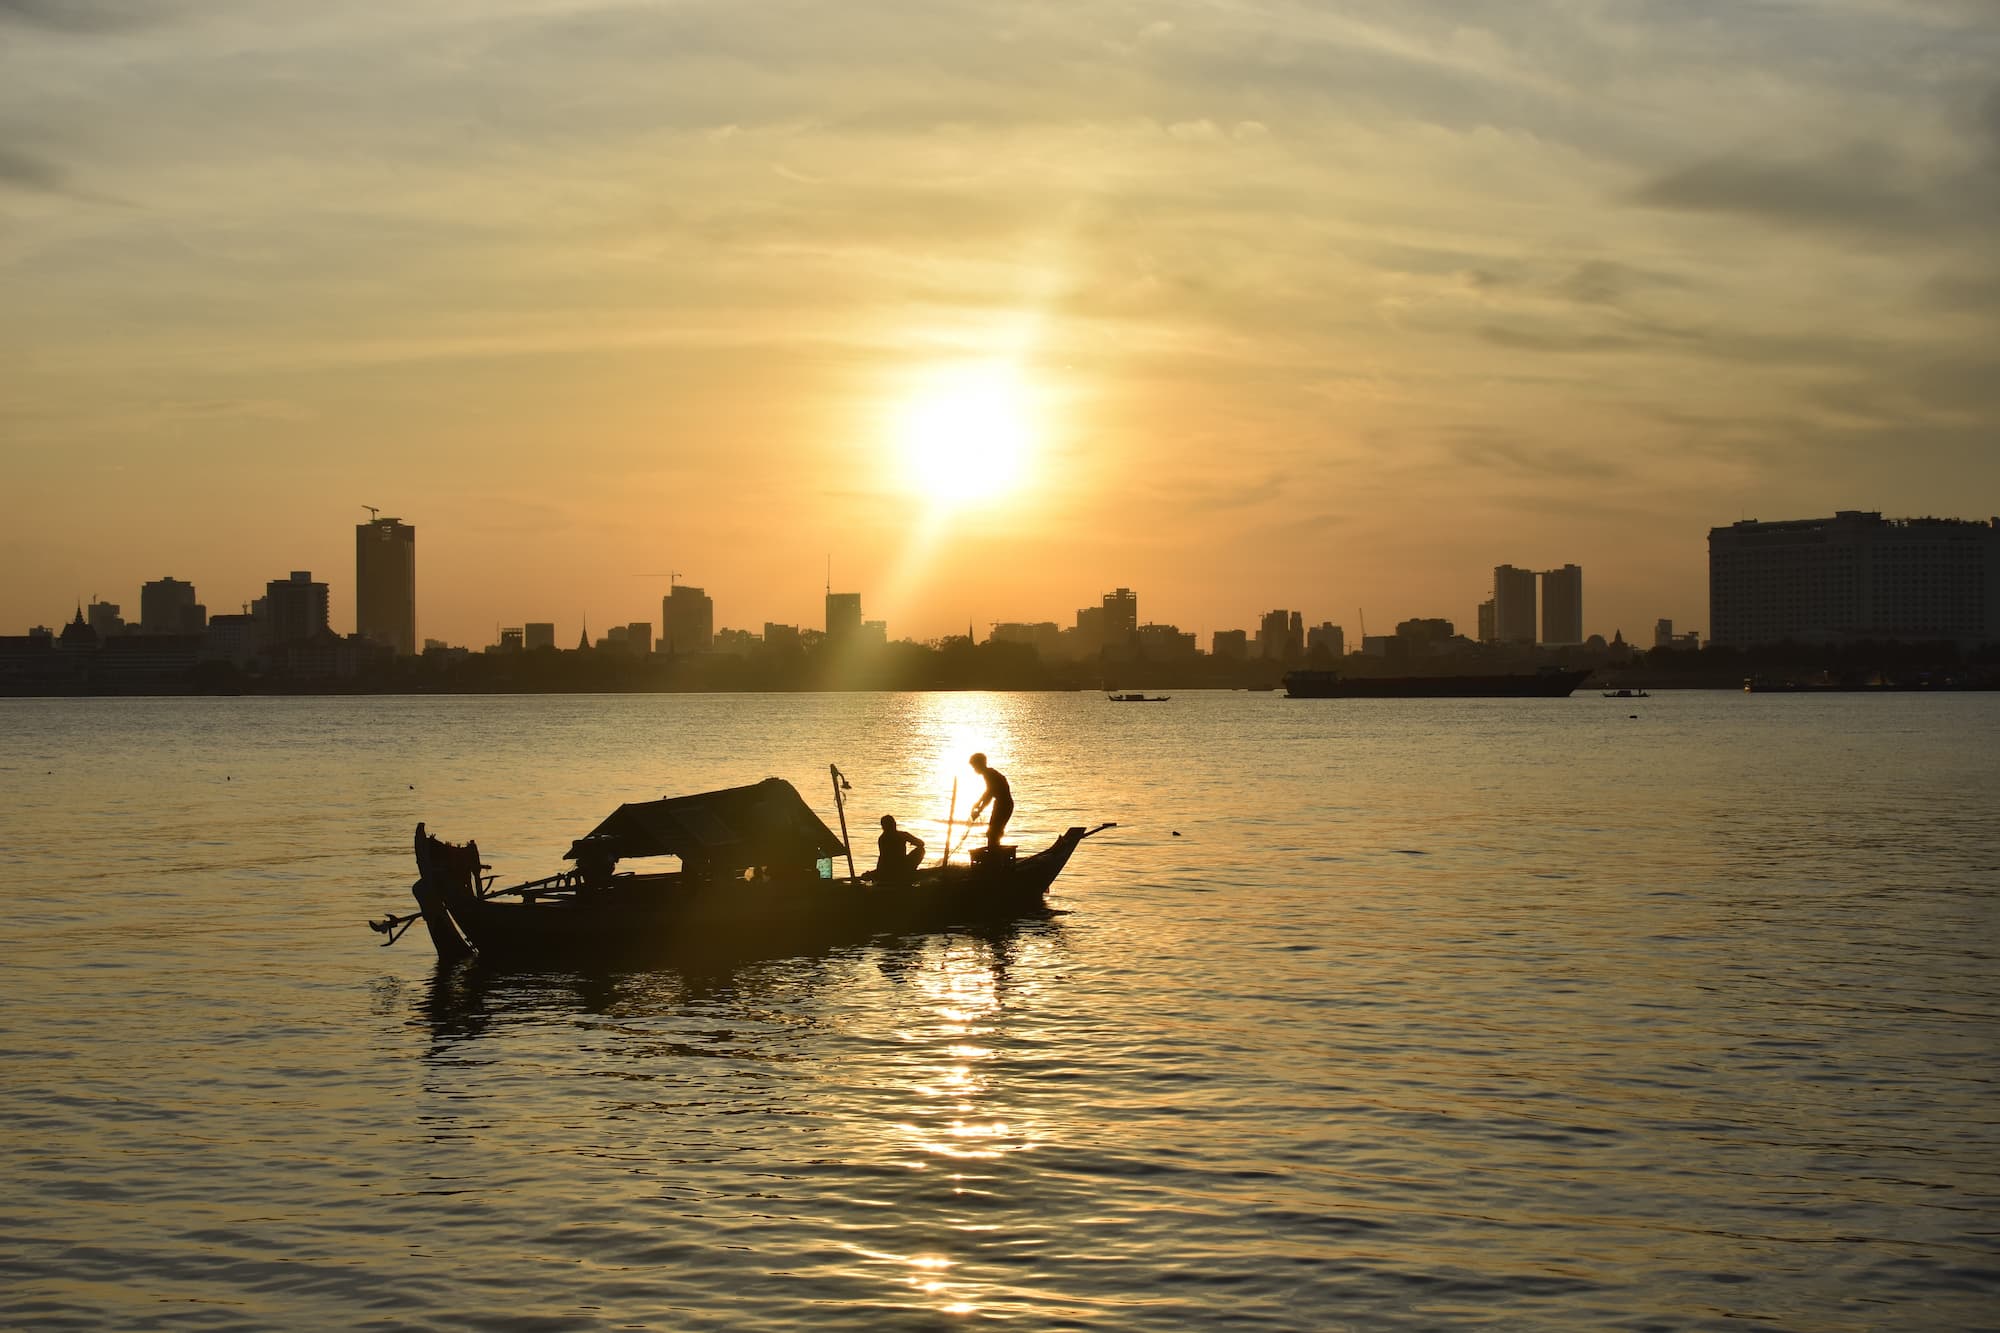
999,793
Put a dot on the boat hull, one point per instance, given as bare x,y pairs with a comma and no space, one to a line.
1332,685
670,915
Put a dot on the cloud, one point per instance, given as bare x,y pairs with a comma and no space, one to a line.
1521,457
25,170
1853,189
1607,282
1548,340
82,16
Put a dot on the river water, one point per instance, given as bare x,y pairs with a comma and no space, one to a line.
1529,1013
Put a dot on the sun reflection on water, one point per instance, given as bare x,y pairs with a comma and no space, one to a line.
954,1115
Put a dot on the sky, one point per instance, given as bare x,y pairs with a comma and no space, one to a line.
993,307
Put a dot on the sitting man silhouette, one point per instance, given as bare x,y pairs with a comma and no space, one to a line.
999,793
898,854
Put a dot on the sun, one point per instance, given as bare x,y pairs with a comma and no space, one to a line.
966,434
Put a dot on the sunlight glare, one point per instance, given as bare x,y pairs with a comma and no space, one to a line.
966,435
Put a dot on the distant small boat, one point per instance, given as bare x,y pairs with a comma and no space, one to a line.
1140,698
1546,684
1626,694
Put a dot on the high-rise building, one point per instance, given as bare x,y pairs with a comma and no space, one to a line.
1663,633
843,616
538,634
1329,636
1044,636
639,637
1088,636
385,583
1487,632
235,639
1274,635
106,618
1855,576
294,609
1163,643
687,620
1121,617
1233,644
512,639
1562,605
1513,604
167,606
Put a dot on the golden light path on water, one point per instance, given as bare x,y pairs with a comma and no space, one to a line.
951,1116
949,1123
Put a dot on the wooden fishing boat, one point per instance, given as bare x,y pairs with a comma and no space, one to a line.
754,877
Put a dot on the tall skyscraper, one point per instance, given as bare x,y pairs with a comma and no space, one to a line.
1280,635
1121,617
1562,605
294,609
687,620
1855,576
385,583
538,634
167,606
1513,604
843,616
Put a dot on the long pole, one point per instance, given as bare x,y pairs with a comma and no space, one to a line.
949,820
841,806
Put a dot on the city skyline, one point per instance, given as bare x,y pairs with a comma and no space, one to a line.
617,608
384,570
1849,575
1854,579
1339,305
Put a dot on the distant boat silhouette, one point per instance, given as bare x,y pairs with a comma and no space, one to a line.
1139,698
1549,684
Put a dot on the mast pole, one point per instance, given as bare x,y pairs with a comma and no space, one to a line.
841,806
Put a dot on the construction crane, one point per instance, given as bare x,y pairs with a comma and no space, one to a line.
374,514
669,577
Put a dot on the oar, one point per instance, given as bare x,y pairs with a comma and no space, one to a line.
951,817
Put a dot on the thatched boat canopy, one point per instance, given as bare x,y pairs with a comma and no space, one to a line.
767,824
